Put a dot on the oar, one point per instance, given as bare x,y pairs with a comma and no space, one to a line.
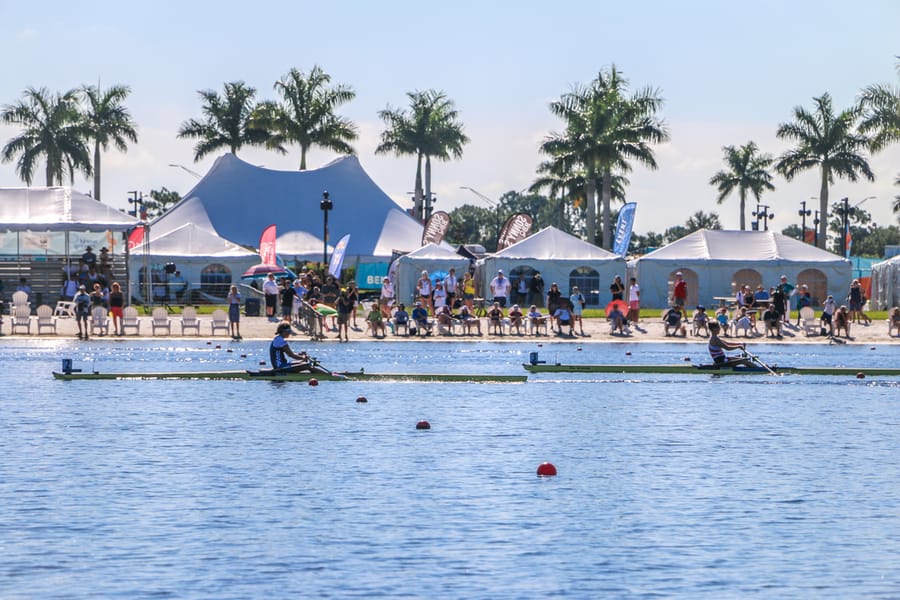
757,360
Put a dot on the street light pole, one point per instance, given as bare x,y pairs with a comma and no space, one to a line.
325,204
762,212
816,229
803,212
186,170
845,211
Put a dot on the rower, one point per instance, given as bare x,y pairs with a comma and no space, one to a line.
718,346
279,350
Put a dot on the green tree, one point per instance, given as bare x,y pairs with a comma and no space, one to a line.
227,121
605,130
430,128
748,171
829,142
52,130
701,220
306,114
160,202
108,121
471,224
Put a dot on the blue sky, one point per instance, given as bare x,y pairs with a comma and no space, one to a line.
730,72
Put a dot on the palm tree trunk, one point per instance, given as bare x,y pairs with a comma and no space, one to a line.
428,199
606,196
590,225
97,171
743,210
417,192
302,158
823,212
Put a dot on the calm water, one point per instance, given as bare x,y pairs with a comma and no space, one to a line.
676,486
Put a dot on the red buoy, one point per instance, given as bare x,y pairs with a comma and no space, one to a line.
218,347
208,343
860,375
546,470
262,363
243,356
423,425
314,382
361,399
628,354
229,350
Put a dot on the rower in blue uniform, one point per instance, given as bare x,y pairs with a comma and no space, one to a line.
279,351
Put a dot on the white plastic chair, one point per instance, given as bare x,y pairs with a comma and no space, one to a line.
64,308
21,318
219,321
130,320
100,320
808,321
45,319
19,299
160,320
189,320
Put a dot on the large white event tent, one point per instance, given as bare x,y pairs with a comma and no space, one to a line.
237,201
559,257
885,284
714,262
207,262
433,258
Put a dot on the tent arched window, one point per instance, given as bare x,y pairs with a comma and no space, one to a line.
588,282
215,280
750,277
527,272
817,282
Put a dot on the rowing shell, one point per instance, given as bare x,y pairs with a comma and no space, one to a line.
709,369
270,375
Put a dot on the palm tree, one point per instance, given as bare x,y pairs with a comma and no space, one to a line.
53,130
227,122
747,172
306,115
429,129
605,130
828,141
701,220
107,121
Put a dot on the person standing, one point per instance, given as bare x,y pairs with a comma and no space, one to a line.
116,307
450,285
521,288
387,297
634,301
856,299
468,291
679,294
439,296
82,303
344,308
827,318
88,259
786,290
576,300
804,299
423,290
617,289
234,312
536,290
270,289
286,295
353,294
500,287
297,299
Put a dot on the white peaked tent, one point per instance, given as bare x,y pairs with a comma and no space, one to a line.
712,262
237,201
885,288
559,257
408,268
206,261
58,209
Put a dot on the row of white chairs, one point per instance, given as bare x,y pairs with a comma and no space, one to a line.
21,318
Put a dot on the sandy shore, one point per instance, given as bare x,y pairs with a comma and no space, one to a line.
595,330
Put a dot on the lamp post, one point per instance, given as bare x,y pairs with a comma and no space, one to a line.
816,229
845,210
803,212
186,170
325,204
762,212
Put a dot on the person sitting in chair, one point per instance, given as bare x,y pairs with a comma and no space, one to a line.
700,321
672,322
516,319
445,319
401,319
468,320
842,321
376,320
617,322
563,318
773,321
894,321
420,318
744,322
495,319
536,319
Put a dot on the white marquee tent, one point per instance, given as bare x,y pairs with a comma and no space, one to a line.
559,257
430,257
206,261
237,201
58,209
885,289
714,262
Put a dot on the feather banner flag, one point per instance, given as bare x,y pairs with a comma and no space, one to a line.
267,246
624,225
337,257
